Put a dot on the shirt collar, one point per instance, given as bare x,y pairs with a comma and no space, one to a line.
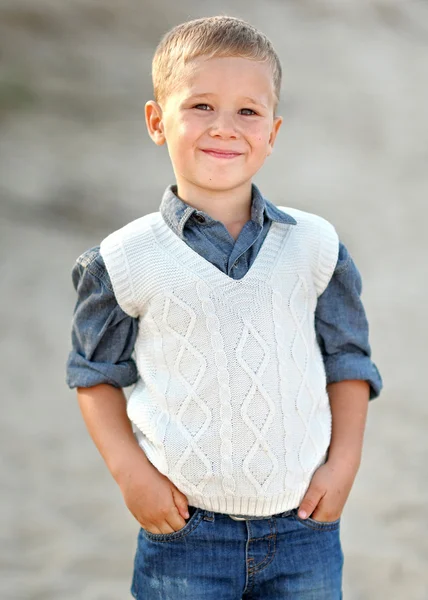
176,213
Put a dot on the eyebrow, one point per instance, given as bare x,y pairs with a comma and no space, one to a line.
245,99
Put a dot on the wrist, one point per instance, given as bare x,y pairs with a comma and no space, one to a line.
344,461
131,461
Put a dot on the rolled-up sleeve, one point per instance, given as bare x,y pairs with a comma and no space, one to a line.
342,328
102,336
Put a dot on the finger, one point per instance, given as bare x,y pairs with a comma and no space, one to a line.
151,528
325,513
320,512
175,520
160,527
181,503
310,502
166,527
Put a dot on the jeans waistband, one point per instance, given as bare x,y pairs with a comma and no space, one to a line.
251,518
286,513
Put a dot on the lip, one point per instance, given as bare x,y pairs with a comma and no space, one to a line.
217,153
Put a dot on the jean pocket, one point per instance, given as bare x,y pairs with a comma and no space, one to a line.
317,525
196,516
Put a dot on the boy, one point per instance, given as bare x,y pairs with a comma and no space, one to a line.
252,361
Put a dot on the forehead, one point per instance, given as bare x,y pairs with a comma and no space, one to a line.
226,75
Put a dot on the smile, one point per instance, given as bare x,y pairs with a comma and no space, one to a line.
221,154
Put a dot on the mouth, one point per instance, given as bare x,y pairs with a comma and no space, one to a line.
227,154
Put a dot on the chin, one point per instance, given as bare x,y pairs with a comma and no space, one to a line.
221,184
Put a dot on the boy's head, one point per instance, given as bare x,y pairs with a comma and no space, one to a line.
216,84
210,37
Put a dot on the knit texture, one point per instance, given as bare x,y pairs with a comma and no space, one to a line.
231,404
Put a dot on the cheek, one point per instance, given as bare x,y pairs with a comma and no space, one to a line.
259,134
190,125
176,128
185,135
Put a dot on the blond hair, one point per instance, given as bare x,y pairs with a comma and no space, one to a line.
210,37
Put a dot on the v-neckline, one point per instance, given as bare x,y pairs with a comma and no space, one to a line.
213,272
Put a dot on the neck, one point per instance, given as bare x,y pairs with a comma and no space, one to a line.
231,207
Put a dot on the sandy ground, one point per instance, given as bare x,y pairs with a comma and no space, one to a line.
76,163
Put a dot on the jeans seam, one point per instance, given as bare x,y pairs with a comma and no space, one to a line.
327,526
171,537
265,562
268,559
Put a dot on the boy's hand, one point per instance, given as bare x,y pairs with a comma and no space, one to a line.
156,503
328,492
331,483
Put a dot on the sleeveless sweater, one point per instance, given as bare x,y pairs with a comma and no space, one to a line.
231,404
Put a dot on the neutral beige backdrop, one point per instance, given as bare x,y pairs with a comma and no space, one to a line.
76,162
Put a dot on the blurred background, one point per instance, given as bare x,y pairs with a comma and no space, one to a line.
76,163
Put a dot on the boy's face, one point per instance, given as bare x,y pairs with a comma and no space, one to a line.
218,124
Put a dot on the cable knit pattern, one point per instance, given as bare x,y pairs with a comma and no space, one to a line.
213,326
231,405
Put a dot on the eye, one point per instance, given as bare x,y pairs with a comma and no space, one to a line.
199,105
249,110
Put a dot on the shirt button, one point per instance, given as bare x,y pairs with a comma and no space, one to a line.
199,218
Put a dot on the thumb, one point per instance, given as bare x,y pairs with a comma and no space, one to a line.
310,501
181,503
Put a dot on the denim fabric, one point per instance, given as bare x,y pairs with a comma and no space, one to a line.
211,239
103,335
214,557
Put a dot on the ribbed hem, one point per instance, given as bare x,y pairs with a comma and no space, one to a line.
327,257
256,506
111,249
205,270
250,506
321,236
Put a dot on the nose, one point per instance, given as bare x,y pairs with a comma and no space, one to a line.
224,126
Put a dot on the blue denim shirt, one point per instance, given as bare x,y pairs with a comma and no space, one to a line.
103,336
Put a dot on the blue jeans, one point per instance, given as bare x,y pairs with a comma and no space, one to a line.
214,557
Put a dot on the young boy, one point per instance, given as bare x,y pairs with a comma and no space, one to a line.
241,440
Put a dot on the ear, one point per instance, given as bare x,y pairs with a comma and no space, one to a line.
277,122
154,123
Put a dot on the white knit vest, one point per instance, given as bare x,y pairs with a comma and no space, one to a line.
231,404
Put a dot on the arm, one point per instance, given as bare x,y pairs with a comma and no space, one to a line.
349,403
343,335
151,497
99,366
342,327
103,409
332,482
102,335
